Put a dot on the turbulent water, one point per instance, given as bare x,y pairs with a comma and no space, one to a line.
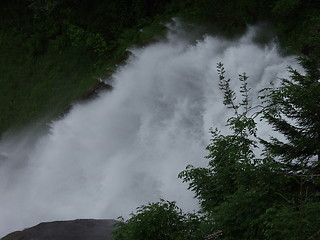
126,147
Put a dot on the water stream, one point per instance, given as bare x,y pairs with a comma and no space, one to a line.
126,148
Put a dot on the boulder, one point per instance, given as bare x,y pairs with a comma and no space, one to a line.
81,229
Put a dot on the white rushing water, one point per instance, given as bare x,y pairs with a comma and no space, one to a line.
126,148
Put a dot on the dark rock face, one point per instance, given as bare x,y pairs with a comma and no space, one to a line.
84,229
94,92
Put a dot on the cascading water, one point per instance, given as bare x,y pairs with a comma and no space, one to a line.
126,148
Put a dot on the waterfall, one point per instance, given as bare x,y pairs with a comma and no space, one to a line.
126,147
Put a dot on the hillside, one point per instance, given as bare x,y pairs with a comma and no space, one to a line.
55,51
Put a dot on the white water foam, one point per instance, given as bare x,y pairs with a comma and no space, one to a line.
126,148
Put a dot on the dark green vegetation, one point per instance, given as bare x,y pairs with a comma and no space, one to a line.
161,220
53,51
244,195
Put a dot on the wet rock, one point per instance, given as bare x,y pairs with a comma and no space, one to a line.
99,87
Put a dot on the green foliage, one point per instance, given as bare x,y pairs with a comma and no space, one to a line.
236,187
83,39
159,221
286,222
293,109
297,24
52,82
43,8
253,198
30,29
284,7
59,48
243,196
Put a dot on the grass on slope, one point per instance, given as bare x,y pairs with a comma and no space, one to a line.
33,87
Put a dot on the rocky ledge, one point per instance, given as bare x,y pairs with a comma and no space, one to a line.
82,229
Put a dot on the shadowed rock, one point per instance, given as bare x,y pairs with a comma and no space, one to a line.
84,229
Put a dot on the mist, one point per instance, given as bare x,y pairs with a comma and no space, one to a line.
127,147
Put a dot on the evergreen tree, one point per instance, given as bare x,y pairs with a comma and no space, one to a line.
293,109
